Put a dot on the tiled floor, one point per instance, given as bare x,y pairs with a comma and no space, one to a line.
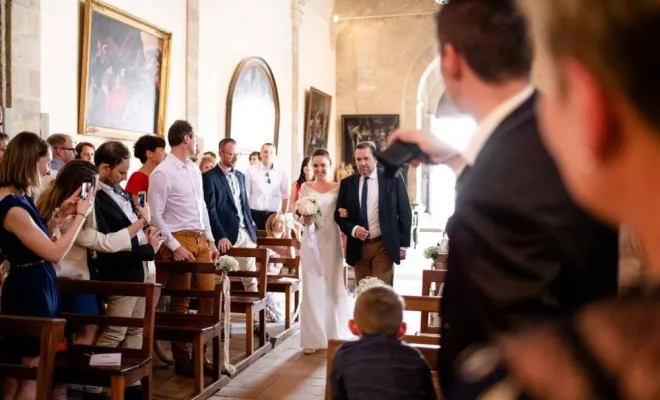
283,373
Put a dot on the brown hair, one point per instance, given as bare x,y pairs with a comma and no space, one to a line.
58,139
69,179
19,166
178,131
81,146
613,39
490,34
379,310
111,153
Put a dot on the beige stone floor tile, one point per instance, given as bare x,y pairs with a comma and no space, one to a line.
239,392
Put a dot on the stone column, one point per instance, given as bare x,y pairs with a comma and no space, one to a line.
22,74
192,66
297,145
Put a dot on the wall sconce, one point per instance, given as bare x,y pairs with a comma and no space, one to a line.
335,18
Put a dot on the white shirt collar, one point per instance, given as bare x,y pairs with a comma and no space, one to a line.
491,121
373,175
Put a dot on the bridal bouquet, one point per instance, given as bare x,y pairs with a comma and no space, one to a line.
368,283
307,206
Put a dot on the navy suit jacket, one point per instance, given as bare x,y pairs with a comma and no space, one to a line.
223,213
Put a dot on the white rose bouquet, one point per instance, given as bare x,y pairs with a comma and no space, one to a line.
308,206
368,283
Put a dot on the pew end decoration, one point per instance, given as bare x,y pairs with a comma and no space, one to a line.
438,254
368,283
223,266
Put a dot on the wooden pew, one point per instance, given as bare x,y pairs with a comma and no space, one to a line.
425,304
288,283
431,278
49,332
250,302
194,328
261,234
429,352
136,364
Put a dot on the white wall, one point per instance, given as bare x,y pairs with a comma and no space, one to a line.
228,31
318,64
61,41
257,28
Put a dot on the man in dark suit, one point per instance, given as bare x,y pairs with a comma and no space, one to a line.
378,218
114,211
520,250
229,210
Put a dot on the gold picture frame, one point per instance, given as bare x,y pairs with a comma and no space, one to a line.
123,58
249,97
317,120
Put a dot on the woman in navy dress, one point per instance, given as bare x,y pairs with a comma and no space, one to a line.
31,286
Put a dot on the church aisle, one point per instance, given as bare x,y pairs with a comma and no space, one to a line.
284,373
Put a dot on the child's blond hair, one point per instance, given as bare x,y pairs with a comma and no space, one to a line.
379,310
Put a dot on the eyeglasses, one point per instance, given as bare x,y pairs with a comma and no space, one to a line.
65,148
267,178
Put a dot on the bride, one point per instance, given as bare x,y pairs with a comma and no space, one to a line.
325,309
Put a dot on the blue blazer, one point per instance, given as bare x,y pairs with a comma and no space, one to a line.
223,213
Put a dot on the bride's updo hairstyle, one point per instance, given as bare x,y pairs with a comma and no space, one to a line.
321,153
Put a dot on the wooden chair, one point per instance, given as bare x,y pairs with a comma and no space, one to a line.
136,364
429,352
432,280
194,328
249,302
289,283
50,332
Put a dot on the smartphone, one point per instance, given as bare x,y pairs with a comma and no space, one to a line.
86,187
399,154
141,198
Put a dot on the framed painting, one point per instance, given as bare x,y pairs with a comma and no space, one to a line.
366,128
253,108
125,74
317,120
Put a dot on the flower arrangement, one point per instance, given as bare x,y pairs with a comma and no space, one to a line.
226,264
223,266
433,252
307,206
368,283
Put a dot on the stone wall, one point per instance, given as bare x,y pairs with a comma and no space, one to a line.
23,92
383,49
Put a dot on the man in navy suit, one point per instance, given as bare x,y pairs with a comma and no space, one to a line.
229,211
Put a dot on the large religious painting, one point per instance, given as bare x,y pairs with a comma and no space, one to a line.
317,120
125,72
253,108
366,128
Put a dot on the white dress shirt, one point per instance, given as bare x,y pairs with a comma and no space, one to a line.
235,187
127,208
176,200
488,125
266,187
372,204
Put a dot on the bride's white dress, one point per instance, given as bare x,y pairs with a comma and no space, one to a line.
326,307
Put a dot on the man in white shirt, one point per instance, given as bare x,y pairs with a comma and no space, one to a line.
267,187
178,209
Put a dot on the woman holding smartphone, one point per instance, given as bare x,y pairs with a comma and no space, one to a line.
79,173
31,287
